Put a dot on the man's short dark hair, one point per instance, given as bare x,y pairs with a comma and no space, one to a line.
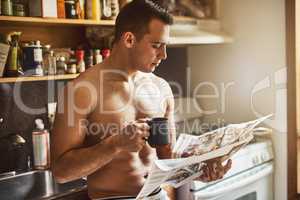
135,17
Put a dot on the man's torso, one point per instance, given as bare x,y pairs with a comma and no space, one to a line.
120,102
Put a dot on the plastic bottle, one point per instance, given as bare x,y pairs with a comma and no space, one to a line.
105,53
106,9
98,56
93,9
41,146
80,61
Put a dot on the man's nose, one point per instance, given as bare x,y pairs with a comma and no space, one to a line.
163,53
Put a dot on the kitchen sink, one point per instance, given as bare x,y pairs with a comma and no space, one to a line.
36,185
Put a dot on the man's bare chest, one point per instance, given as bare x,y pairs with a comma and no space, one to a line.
119,104
129,102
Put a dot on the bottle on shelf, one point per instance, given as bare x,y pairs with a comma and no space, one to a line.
46,55
13,65
93,9
61,13
80,5
114,9
89,58
105,53
80,61
41,146
52,64
106,9
70,9
98,57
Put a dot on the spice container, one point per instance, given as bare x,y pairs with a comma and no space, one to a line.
70,8
6,7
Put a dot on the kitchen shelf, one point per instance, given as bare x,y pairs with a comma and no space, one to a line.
38,78
185,31
55,21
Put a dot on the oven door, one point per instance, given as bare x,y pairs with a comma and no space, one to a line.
253,184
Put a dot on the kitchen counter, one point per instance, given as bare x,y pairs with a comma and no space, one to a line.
40,184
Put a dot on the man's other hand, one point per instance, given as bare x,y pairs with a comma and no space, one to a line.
132,137
214,170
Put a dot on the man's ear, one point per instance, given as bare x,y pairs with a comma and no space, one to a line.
128,39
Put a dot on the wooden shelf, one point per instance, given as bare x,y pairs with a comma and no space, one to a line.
55,21
38,78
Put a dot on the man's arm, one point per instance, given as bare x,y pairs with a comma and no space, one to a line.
69,159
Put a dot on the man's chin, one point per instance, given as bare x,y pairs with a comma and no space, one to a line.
149,69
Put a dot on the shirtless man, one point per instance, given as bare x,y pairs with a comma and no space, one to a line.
100,129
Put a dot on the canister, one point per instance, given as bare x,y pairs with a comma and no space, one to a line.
32,57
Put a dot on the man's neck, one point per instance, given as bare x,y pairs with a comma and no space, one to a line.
119,61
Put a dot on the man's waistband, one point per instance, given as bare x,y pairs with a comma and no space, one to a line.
155,195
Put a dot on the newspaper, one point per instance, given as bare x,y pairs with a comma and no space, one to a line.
190,152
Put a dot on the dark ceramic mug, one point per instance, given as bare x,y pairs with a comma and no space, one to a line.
159,134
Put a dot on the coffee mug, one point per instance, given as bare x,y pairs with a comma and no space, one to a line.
158,131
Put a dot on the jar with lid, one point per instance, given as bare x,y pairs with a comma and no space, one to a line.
70,8
6,7
72,69
19,8
61,65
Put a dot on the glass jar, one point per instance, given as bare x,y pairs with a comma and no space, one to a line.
19,8
70,8
6,7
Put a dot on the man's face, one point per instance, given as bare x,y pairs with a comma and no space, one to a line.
151,49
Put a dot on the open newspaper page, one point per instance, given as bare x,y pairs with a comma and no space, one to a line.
190,152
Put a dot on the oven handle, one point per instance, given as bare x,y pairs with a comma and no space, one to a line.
237,184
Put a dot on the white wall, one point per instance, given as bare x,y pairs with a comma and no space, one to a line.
254,61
